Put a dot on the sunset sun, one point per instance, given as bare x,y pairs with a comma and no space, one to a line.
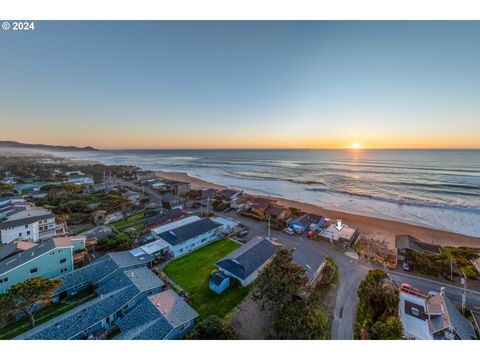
355,146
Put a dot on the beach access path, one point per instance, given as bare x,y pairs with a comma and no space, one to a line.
351,270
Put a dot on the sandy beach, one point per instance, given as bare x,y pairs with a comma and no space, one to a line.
370,227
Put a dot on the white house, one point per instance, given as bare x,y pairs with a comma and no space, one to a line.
188,237
80,179
33,224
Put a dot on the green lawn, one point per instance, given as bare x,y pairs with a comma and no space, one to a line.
134,219
192,273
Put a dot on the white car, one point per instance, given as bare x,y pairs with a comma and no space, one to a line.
289,231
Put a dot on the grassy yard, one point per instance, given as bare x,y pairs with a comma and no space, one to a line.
192,273
123,224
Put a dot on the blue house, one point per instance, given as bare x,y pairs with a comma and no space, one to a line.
219,282
307,222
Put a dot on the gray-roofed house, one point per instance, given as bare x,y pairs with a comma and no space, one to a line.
189,237
408,242
116,297
432,317
162,316
309,256
100,271
245,263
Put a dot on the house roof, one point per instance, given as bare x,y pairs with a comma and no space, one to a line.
32,253
112,296
248,258
24,221
154,246
229,193
308,256
173,307
172,214
305,219
260,202
169,197
15,247
450,316
274,210
102,268
188,231
409,242
217,278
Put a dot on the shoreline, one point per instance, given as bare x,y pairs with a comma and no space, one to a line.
370,227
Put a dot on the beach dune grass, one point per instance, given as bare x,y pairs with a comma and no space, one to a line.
192,272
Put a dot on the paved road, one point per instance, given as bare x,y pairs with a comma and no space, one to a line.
352,271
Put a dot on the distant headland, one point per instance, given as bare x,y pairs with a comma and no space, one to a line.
16,144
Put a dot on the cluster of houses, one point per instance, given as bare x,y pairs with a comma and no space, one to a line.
130,299
245,263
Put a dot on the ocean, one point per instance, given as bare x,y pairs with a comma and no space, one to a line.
434,188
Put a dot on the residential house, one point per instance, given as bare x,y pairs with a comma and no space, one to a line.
28,187
79,179
309,256
178,187
345,235
219,282
259,206
305,222
99,217
116,297
15,247
169,216
144,175
162,316
49,259
432,317
171,201
246,262
228,225
134,197
408,242
188,237
27,223
230,196
277,213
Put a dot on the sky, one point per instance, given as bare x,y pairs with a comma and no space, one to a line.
193,84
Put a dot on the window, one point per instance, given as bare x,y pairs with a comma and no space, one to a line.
19,235
33,270
5,279
415,312
26,226
63,261
28,232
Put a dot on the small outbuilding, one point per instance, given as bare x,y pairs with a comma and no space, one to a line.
219,282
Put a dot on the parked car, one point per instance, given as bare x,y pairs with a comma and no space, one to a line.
289,231
406,266
227,209
310,233
242,233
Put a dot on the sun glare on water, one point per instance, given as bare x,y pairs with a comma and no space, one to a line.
356,146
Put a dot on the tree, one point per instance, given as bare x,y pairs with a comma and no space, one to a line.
377,311
212,328
390,328
281,281
5,188
122,241
283,286
7,312
26,296
298,321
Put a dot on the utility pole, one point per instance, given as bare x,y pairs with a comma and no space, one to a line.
208,202
269,228
451,267
464,295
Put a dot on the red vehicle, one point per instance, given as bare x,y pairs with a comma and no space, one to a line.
310,233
